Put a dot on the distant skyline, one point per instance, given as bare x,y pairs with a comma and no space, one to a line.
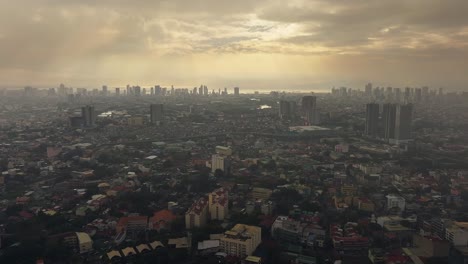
257,45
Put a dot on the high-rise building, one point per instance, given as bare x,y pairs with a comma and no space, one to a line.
117,91
218,202
397,93
309,110
284,109
88,115
104,90
372,119
404,117
156,113
407,94
137,90
388,121
241,240
236,91
418,94
369,89
197,214
220,162
205,90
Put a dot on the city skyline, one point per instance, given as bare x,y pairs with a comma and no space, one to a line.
294,45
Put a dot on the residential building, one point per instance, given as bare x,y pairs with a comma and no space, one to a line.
241,240
156,113
197,215
372,119
218,202
395,201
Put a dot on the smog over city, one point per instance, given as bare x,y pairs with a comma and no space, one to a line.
234,132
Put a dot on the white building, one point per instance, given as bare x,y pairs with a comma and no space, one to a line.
395,201
457,234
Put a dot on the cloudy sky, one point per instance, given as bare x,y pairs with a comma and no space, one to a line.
254,44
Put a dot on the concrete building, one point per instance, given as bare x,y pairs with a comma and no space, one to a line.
197,215
221,150
219,162
241,240
88,116
372,120
395,201
309,110
261,193
404,117
218,202
156,113
457,234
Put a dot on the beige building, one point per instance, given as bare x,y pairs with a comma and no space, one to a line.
261,193
241,240
135,121
218,202
197,215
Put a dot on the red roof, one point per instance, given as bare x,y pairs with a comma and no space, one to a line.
163,215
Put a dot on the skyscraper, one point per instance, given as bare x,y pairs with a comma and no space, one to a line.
403,120
369,89
88,115
309,109
236,91
372,119
388,121
104,90
117,91
418,95
156,113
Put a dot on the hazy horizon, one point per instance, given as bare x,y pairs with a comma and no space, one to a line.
256,45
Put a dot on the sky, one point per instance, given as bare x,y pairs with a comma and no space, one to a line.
253,44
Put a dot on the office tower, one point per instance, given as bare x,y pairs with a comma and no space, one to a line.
117,91
407,94
225,91
163,91
236,91
137,90
156,113
369,89
397,94
205,90
152,91
128,89
157,90
200,90
388,121
172,90
389,93
404,117
418,95
143,91
194,90
104,90
309,109
284,109
425,93
372,119
88,115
